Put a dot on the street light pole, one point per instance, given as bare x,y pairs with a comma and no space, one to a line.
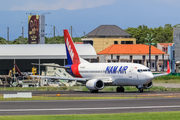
150,55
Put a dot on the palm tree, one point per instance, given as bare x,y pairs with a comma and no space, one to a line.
150,38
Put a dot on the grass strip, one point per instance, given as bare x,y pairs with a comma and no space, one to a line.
83,88
62,98
118,116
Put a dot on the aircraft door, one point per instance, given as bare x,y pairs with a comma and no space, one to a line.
132,73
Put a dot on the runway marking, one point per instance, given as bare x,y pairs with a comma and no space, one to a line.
69,109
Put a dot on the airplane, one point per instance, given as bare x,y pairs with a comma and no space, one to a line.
97,75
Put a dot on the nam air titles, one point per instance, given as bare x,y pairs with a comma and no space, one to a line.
116,69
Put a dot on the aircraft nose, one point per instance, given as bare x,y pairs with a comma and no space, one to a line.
150,76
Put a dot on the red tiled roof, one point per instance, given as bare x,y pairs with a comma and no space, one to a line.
130,49
166,44
78,43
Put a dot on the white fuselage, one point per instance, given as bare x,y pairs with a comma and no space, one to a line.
121,74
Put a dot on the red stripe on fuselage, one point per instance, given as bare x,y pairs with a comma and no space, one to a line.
75,70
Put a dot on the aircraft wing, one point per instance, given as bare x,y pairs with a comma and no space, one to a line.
158,75
63,78
168,71
65,67
105,80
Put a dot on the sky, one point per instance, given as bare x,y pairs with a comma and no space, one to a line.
86,15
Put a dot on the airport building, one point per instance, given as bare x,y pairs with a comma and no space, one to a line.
25,54
169,48
135,53
106,35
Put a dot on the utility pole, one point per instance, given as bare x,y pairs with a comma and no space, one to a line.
54,31
8,34
84,34
22,32
71,31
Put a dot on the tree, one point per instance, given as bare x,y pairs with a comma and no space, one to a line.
21,40
160,34
149,39
3,41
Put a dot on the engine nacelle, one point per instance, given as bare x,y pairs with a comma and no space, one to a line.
95,84
148,85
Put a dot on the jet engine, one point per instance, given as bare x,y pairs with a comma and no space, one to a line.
95,84
148,85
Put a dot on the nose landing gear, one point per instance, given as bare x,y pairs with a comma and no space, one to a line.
120,89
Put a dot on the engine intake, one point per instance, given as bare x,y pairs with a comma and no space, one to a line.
95,84
149,85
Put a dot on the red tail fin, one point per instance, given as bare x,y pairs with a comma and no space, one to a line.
72,55
168,68
17,69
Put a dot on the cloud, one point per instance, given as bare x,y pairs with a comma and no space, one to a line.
59,4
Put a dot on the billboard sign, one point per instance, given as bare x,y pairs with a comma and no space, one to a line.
33,29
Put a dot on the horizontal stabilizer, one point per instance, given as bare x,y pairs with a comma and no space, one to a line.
50,65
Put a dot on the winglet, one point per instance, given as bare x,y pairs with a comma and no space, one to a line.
168,68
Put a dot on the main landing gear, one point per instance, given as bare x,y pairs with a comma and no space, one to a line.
120,89
94,91
140,90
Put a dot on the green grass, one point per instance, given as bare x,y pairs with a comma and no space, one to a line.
119,116
62,98
83,88
167,81
167,77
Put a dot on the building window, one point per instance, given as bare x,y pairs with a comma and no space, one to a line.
117,58
88,42
173,54
152,64
111,56
122,42
126,42
115,42
129,42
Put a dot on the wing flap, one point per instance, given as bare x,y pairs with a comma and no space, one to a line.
63,78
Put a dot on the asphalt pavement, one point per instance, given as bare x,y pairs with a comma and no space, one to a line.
89,106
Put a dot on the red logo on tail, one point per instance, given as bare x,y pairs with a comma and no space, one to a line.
71,48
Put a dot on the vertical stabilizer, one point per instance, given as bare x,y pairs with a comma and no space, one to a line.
72,55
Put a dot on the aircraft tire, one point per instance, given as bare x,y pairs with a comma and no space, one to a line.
118,89
140,90
122,89
93,91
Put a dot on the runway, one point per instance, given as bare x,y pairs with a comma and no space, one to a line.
146,94
88,106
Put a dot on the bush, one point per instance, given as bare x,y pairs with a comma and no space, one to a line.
167,77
